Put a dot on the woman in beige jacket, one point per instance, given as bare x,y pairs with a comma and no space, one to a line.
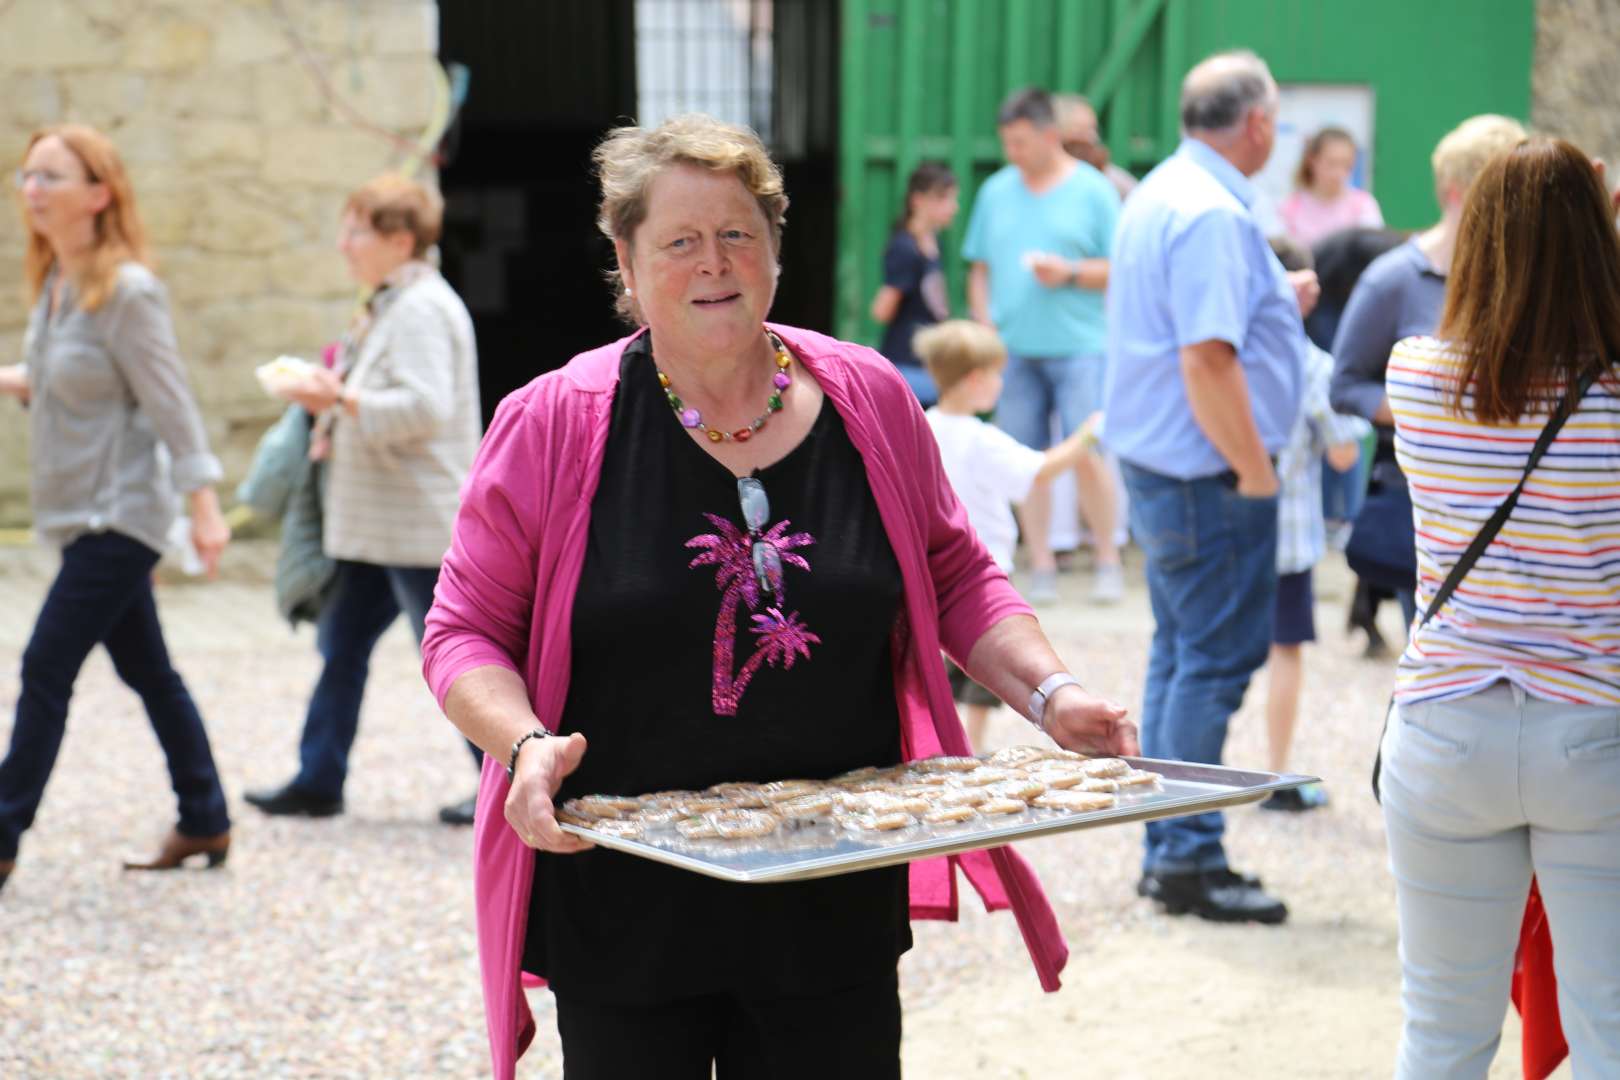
396,424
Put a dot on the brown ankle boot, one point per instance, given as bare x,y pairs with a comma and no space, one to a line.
178,847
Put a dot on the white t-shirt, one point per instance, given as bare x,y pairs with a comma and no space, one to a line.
990,471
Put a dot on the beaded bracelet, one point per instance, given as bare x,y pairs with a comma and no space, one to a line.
511,766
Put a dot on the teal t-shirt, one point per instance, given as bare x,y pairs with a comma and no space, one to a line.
1075,220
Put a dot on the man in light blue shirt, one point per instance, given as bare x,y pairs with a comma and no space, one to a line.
1205,357
1038,243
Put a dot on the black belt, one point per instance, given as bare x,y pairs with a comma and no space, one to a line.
1230,478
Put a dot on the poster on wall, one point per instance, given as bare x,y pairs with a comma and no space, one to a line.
1305,109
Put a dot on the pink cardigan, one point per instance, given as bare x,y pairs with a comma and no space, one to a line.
507,587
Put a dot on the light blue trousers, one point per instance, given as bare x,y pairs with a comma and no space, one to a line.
1480,793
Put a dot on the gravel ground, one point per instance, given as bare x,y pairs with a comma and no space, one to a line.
344,948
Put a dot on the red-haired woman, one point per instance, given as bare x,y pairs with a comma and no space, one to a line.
107,394
1503,757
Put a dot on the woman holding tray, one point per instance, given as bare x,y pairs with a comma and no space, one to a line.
717,549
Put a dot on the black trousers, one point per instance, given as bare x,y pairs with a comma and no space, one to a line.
103,595
851,1034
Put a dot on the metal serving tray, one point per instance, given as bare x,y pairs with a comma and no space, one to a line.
824,849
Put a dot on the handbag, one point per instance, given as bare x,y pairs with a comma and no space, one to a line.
1483,538
1382,548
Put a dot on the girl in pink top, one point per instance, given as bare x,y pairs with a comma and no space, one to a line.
1323,202
713,462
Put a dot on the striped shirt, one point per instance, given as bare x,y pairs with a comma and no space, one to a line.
1541,608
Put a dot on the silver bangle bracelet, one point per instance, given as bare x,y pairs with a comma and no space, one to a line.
1043,693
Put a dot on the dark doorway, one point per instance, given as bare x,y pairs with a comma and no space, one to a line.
546,81
521,246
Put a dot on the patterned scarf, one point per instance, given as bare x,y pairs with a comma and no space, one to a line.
366,315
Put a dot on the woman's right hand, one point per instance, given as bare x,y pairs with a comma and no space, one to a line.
541,766
14,382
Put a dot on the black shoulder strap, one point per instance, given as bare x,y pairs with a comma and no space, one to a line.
1488,531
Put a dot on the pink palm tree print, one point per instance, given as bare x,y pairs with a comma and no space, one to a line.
781,639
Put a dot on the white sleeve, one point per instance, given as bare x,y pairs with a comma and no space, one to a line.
1009,464
1328,428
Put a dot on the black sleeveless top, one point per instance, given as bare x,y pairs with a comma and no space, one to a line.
683,676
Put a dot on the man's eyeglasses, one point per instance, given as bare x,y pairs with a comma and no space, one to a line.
44,177
756,512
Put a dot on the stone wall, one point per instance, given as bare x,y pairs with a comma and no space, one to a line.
1574,83
244,124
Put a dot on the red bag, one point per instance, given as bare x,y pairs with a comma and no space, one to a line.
1535,992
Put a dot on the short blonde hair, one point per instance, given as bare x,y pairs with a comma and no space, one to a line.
631,158
1465,150
955,348
392,203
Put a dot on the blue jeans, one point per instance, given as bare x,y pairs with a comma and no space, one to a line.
103,595
365,601
1344,492
1212,578
1035,387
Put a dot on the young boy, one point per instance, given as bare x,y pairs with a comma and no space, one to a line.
989,469
1318,433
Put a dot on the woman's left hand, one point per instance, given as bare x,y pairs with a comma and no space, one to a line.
209,530
1078,720
317,391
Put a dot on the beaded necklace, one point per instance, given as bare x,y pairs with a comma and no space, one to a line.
691,418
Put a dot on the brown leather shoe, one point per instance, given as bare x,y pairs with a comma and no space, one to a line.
178,847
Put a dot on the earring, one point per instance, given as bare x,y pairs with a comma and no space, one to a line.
628,291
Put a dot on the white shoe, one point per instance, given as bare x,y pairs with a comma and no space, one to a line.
1108,585
1043,589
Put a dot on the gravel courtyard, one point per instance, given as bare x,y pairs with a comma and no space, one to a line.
344,947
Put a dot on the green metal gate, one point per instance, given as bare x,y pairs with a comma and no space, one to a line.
922,79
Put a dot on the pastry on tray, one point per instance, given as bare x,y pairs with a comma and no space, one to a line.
943,792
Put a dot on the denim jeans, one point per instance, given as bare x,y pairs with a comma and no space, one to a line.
365,601
1480,792
1212,578
1344,492
1035,387
103,595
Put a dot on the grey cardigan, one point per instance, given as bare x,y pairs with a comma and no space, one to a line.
1400,295
115,432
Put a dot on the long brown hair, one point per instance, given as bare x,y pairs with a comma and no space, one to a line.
120,236
1533,300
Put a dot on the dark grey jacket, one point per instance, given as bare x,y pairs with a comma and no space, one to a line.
283,483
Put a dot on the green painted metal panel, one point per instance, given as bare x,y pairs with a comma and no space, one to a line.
1430,65
922,79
